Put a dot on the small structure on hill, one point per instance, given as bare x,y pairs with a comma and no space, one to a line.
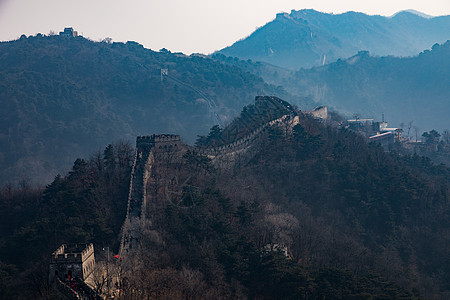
68,32
376,131
385,139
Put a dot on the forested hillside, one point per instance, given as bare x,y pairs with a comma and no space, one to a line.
86,204
355,221
66,97
307,38
339,202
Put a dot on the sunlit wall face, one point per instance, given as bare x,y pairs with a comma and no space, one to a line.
187,26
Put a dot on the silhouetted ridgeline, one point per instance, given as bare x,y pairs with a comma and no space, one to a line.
307,38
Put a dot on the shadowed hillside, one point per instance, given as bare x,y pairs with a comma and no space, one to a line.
313,213
66,97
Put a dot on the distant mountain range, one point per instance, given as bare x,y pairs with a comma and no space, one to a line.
63,98
307,38
413,89
408,89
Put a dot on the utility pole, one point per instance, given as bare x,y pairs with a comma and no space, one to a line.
164,72
107,269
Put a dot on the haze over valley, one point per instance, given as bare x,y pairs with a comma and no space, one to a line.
307,38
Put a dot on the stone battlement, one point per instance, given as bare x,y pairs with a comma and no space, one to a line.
159,138
151,140
160,142
146,148
72,260
166,138
247,140
72,253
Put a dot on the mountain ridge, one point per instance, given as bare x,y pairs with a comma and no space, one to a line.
307,38
404,89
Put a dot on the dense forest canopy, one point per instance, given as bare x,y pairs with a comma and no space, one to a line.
353,220
88,204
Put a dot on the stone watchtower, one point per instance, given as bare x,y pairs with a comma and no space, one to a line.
159,142
72,260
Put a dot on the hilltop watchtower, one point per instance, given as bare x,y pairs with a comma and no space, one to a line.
72,260
68,32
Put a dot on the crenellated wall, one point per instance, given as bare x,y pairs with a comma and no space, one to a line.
146,148
273,102
286,122
150,140
149,148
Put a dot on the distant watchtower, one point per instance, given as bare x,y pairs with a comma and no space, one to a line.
73,260
68,32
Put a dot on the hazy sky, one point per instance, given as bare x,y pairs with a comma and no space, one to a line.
178,25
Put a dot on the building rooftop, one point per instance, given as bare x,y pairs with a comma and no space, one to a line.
360,120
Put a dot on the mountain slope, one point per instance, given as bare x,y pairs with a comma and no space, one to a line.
306,38
316,213
404,89
63,98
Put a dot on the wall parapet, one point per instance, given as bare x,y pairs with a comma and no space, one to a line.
247,140
157,138
146,148
73,252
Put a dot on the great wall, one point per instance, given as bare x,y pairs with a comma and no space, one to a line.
148,146
79,262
